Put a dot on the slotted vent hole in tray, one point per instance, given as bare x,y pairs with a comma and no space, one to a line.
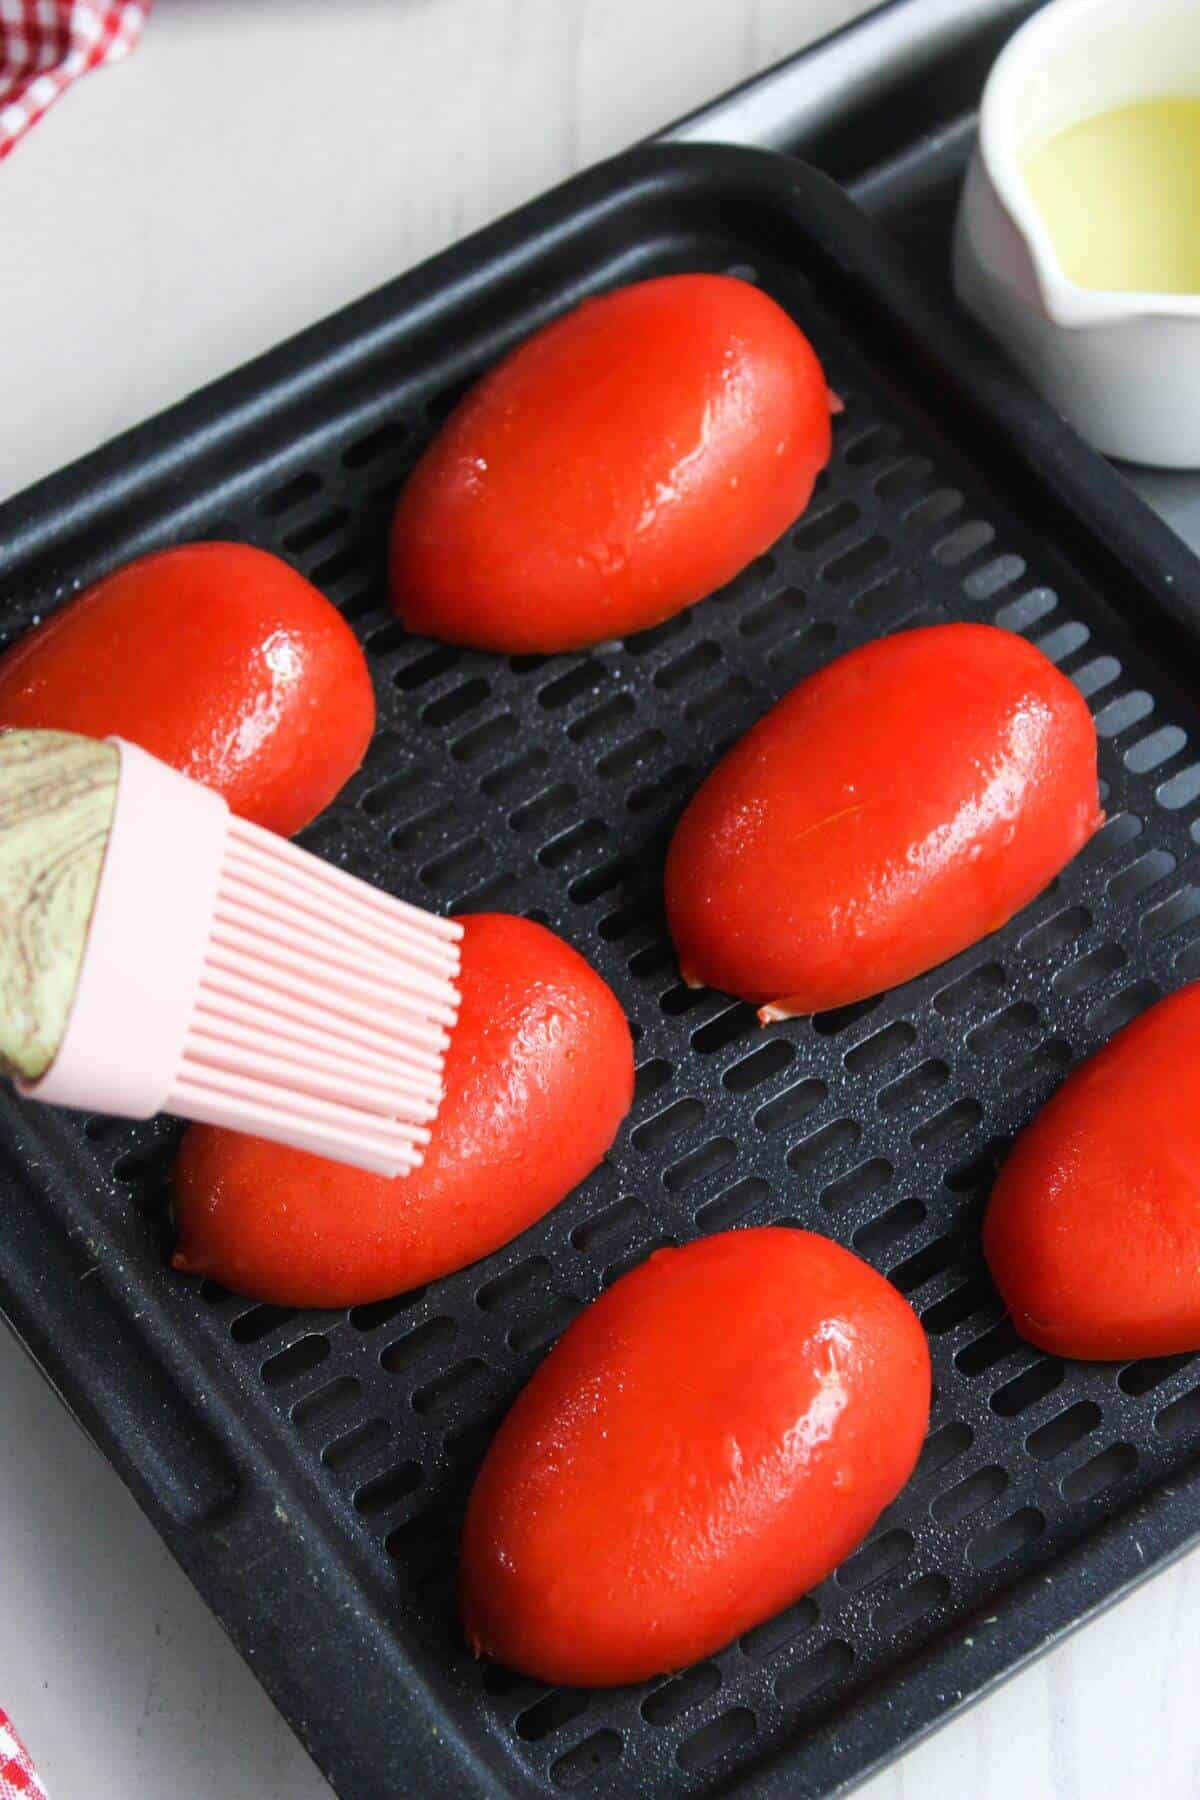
549,785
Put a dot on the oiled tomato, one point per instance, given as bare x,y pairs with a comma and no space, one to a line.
217,658
538,1077
623,462
704,1443
1093,1229
891,810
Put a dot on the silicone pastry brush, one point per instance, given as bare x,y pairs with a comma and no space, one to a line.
159,954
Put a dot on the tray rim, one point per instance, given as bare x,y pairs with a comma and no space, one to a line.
888,47
1046,452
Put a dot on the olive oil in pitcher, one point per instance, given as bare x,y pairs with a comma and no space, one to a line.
1119,194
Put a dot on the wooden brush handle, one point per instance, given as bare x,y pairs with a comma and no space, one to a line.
57,794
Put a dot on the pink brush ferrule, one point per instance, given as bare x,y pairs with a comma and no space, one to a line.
146,944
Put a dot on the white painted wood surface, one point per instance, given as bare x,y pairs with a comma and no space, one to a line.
252,167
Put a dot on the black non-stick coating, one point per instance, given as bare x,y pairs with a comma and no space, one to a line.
310,1468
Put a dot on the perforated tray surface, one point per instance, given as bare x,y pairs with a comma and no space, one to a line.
310,1469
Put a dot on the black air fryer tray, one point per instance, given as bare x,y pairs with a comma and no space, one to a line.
309,1469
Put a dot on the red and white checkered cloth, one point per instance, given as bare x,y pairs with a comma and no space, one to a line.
45,45
18,1779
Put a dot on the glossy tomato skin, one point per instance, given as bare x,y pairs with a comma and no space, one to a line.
892,809
1092,1232
217,658
705,1443
625,461
538,1077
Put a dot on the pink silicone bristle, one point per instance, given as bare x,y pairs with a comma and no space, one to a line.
281,897
361,989
302,1046
226,1027
269,855
237,924
292,1101
305,1075
285,977
240,997
382,1156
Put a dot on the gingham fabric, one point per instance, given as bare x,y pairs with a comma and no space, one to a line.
18,1780
45,45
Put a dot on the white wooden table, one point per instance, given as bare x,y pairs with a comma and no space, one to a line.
252,167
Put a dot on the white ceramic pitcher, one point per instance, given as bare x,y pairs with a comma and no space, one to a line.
1124,368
